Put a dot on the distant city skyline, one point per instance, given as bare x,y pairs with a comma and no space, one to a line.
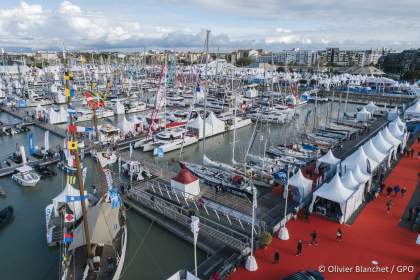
235,24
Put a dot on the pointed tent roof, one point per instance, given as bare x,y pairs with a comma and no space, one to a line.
381,144
390,138
329,158
372,152
349,181
302,183
359,158
360,176
103,226
184,176
196,122
395,130
334,190
364,111
371,107
399,122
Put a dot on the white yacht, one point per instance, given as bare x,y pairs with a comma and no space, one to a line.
25,176
135,106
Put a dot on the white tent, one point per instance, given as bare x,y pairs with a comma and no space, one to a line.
302,184
372,152
400,123
396,131
361,177
363,115
359,158
214,125
335,191
381,144
125,125
57,116
390,138
197,124
75,206
371,107
328,158
350,182
413,111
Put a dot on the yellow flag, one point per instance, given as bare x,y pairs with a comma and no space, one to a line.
72,145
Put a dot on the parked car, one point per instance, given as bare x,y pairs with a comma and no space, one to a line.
306,275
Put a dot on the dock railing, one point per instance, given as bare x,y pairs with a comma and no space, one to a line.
223,234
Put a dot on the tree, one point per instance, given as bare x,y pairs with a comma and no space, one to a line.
266,239
243,61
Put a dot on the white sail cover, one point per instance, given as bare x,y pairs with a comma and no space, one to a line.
303,184
23,155
372,152
381,144
329,158
75,206
103,226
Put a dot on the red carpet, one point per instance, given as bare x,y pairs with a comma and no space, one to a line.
375,236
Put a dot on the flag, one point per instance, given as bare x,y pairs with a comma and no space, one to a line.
72,145
72,129
94,100
84,129
74,198
31,143
68,218
68,237
114,198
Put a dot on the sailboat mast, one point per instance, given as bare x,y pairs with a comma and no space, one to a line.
205,95
234,123
77,159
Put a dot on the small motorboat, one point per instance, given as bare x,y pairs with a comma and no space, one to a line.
6,216
2,192
26,176
44,171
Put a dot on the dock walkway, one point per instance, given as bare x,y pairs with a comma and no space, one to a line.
11,169
20,114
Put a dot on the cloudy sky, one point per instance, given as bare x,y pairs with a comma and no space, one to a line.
271,24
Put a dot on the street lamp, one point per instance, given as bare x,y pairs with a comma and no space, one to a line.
251,262
284,233
195,222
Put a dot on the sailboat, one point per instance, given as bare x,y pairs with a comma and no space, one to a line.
96,248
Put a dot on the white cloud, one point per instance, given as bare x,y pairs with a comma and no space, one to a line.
248,23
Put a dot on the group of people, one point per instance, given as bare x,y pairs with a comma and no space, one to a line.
314,241
396,190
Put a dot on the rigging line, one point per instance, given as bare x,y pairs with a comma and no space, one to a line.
138,248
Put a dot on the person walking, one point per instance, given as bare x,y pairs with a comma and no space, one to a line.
397,190
388,206
403,191
314,240
276,257
299,248
339,235
388,191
